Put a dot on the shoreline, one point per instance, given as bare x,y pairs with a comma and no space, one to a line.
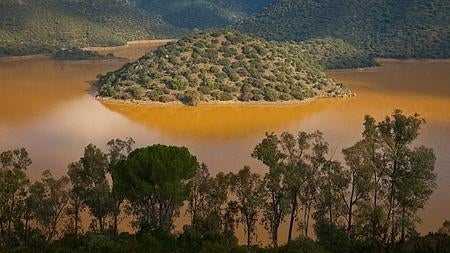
25,57
177,103
128,44
412,60
49,57
365,69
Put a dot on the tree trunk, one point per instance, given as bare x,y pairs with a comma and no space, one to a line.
249,237
307,220
101,224
292,218
275,237
402,236
76,218
350,210
350,217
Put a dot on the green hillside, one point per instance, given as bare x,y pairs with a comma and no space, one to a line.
227,65
386,28
39,26
200,14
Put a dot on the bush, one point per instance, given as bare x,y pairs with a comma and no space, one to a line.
303,245
177,83
191,97
165,98
270,94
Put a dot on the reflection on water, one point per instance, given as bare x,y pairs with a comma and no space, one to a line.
218,122
45,106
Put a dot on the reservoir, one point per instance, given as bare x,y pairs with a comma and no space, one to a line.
49,108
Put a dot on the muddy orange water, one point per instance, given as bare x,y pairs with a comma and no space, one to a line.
48,107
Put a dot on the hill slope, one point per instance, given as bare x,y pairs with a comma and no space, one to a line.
386,28
200,14
227,65
37,26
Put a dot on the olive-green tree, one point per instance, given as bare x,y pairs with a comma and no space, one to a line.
118,150
402,175
13,191
359,172
198,197
91,187
275,200
296,166
157,180
246,187
47,201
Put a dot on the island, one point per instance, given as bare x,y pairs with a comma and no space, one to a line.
226,66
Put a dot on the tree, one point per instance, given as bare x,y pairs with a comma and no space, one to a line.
246,186
403,176
296,167
118,150
91,187
49,199
445,229
274,198
397,132
359,175
416,184
198,204
329,204
158,179
331,181
13,191
316,160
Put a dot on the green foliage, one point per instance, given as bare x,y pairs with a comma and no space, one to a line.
256,70
161,173
79,54
43,26
90,185
192,97
386,28
333,238
303,245
201,14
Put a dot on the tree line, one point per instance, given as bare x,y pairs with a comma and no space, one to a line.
366,202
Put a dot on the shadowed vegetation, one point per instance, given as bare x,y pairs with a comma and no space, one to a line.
386,28
368,202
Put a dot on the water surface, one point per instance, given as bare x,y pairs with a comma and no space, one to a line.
48,107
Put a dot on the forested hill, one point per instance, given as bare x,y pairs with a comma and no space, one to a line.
227,65
42,26
387,28
200,14
39,26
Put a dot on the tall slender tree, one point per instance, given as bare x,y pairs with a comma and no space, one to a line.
90,187
275,198
118,151
13,191
246,186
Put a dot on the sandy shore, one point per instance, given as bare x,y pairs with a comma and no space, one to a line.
230,102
